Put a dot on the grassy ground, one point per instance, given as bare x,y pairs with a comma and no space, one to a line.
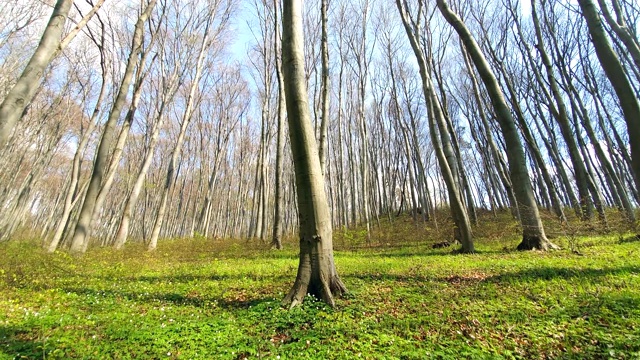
201,299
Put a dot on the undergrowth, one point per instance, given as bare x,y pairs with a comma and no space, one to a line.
201,299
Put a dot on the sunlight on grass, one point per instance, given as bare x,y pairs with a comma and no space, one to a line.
195,299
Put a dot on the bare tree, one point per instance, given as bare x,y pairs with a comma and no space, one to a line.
438,130
533,235
81,233
317,273
51,43
616,74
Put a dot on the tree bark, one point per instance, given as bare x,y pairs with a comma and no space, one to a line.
25,88
533,235
317,274
615,73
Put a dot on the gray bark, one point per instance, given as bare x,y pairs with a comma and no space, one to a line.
27,84
317,274
616,75
533,235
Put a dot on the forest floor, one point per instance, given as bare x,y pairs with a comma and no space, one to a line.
206,299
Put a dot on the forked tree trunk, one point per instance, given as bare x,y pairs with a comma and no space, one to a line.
533,236
317,273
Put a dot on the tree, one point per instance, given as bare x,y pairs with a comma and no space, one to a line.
81,233
616,75
25,88
439,133
317,274
276,241
533,235
51,43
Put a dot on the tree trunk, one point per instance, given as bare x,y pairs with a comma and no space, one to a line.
621,85
173,162
562,117
25,88
444,153
317,274
324,120
80,239
533,236
276,241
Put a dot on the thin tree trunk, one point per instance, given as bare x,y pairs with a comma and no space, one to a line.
324,120
276,241
80,239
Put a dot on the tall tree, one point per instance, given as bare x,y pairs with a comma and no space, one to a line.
25,88
317,274
276,241
80,239
208,35
615,73
533,235
438,131
560,113
51,43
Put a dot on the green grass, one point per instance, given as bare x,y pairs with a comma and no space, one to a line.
198,299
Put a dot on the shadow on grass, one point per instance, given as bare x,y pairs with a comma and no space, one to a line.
19,343
424,251
527,275
551,273
187,278
235,301
630,239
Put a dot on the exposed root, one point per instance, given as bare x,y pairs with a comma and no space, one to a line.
536,243
327,291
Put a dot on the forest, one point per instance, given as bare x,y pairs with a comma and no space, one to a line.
319,179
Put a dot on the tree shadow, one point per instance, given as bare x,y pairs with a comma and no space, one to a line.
527,275
566,273
19,343
630,239
241,300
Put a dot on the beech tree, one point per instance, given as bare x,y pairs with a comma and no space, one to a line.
317,274
616,75
80,239
51,43
440,137
408,118
533,235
